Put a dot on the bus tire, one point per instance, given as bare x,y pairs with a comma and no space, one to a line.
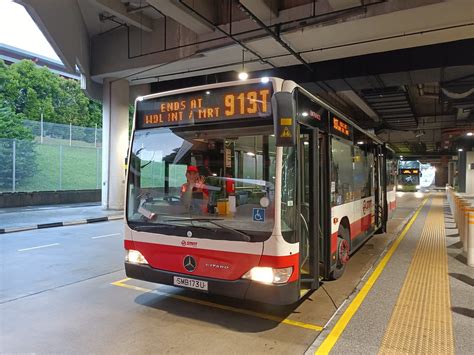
342,253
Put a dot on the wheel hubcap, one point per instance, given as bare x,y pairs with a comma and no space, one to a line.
343,251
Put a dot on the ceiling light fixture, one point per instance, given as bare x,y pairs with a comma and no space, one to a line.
243,74
469,134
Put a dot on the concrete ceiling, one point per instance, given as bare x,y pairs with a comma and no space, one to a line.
167,42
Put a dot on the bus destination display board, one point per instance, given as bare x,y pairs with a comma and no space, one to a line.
213,105
409,171
341,128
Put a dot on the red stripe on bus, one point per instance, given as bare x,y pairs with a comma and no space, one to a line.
215,264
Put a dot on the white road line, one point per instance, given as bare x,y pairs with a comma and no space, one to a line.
105,236
41,246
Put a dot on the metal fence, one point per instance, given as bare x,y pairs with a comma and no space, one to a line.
32,166
63,134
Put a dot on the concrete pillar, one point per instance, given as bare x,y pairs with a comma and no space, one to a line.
462,171
114,142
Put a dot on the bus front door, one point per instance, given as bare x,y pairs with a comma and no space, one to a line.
310,161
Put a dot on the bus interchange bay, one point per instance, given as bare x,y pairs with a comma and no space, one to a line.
263,328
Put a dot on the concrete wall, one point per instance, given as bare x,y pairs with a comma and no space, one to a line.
20,199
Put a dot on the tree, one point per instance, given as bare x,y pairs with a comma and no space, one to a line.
31,91
14,136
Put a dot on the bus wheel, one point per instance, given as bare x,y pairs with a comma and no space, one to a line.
343,249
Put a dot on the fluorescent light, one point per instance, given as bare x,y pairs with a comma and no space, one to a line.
251,154
360,142
243,76
265,79
304,114
469,134
208,93
460,150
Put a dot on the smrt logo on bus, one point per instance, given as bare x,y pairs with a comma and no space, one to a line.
186,243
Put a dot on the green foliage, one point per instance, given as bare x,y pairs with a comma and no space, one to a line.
30,91
14,136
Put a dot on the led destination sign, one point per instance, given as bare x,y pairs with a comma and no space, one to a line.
222,104
409,171
341,128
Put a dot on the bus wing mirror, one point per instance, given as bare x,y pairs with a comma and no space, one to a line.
283,106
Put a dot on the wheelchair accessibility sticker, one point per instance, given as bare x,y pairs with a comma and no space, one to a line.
258,214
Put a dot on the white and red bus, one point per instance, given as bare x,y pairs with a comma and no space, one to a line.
254,189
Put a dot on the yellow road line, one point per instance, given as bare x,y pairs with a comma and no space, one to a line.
342,323
421,320
222,307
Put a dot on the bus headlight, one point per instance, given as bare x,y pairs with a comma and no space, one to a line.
399,187
269,275
135,257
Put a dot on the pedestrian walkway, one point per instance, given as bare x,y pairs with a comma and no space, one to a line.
419,300
32,217
421,321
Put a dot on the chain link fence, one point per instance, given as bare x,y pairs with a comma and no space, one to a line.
63,134
61,157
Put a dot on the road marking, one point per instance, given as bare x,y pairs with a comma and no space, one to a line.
41,246
331,339
105,236
222,307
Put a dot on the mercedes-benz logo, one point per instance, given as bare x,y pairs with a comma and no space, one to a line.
189,263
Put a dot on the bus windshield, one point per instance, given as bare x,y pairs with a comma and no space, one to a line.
195,182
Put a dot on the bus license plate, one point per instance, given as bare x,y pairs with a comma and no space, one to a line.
190,283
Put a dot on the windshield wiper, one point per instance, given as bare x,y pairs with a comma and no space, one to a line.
245,237
141,227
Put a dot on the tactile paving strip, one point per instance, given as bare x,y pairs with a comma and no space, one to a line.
421,321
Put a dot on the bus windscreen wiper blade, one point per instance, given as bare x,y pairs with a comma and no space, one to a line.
244,236
149,226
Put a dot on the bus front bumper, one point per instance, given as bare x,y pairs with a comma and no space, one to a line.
241,289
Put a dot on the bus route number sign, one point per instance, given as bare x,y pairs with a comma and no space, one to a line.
341,128
409,171
213,105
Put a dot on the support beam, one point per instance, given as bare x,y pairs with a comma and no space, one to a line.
114,142
357,100
178,13
119,10
343,4
264,10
